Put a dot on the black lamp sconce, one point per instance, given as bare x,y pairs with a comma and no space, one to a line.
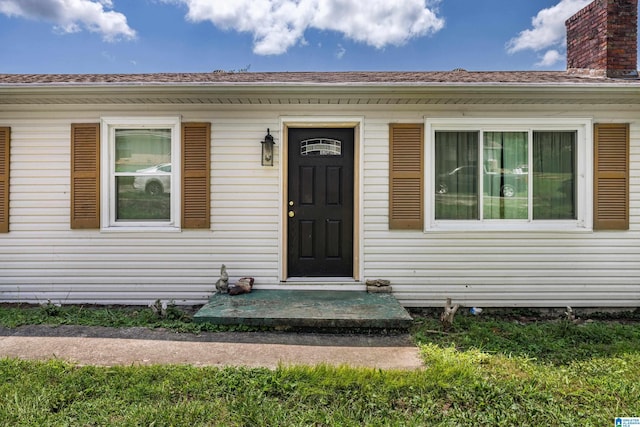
267,149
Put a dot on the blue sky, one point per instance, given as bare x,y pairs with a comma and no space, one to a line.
140,36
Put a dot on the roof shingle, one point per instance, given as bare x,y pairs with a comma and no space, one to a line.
374,78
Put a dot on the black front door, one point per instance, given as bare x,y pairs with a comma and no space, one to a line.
320,202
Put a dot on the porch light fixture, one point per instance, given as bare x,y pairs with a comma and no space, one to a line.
267,149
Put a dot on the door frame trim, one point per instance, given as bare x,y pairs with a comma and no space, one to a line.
344,122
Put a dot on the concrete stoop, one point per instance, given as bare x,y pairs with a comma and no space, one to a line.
306,309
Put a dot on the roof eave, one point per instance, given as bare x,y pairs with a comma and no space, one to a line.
76,93
321,85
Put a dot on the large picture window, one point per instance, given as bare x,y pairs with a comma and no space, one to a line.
508,175
139,182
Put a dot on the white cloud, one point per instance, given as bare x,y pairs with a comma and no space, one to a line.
550,57
277,25
548,31
340,51
70,16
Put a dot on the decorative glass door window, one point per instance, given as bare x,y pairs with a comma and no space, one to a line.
321,147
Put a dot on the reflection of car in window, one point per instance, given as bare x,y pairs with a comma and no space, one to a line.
155,180
464,180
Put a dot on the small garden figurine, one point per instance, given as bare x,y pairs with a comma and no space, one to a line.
222,285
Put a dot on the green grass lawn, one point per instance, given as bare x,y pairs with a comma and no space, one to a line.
486,371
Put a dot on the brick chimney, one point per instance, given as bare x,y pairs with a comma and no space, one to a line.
602,39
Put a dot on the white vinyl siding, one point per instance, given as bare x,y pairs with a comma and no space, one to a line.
42,259
515,268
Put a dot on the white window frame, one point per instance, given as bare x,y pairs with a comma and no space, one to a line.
107,178
584,172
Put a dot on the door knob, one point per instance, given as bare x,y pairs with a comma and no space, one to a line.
292,214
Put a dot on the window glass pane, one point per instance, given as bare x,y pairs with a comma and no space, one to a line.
456,175
143,174
135,204
141,148
554,175
321,147
505,175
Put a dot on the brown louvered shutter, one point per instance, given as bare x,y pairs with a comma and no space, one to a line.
85,175
611,177
5,141
406,187
196,139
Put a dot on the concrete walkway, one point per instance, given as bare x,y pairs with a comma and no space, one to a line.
139,346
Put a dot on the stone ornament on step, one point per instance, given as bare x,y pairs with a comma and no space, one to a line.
378,286
242,286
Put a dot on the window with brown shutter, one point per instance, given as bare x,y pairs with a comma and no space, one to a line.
139,191
85,176
406,183
611,177
196,139
5,137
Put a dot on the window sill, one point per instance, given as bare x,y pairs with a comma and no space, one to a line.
140,229
510,226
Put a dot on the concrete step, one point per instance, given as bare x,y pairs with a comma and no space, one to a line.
306,309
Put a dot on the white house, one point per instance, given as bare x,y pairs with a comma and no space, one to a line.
492,188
